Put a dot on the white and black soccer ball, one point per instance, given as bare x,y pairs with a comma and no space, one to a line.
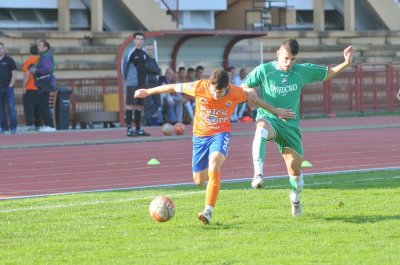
162,208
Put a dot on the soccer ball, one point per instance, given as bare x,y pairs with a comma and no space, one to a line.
179,128
167,129
162,208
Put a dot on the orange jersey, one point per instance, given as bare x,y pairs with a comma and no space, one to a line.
32,60
212,116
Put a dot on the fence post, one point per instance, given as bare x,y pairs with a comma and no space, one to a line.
389,86
359,93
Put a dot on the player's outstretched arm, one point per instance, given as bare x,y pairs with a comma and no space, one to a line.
145,92
253,98
348,59
282,114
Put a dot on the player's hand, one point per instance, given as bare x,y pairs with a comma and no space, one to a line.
348,55
251,93
284,114
141,93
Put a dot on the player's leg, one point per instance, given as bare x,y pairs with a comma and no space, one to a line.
138,106
293,164
129,110
218,153
200,177
263,133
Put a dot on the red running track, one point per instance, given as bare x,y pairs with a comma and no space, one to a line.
71,161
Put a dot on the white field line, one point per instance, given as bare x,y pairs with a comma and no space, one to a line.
183,194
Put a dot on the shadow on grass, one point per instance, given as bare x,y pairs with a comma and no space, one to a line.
362,219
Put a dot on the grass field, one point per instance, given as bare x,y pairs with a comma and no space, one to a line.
347,219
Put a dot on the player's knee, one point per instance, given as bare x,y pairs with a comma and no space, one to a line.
199,180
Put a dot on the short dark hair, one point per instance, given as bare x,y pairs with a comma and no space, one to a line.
138,34
291,45
34,50
45,44
182,68
219,78
200,68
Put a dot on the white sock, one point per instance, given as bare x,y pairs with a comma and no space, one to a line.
209,208
296,185
258,150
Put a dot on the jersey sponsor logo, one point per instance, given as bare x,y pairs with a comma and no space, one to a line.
213,116
280,90
228,104
203,100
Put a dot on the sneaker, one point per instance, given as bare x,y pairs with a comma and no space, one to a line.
131,133
205,217
13,131
30,128
296,209
142,133
258,182
47,129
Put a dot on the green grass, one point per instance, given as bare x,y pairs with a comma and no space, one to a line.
347,219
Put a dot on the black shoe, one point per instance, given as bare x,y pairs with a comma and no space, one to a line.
131,133
142,133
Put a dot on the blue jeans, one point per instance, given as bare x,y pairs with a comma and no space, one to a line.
7,99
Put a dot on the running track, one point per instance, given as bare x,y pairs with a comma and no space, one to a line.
38,164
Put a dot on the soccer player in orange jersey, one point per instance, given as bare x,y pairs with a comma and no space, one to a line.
216,99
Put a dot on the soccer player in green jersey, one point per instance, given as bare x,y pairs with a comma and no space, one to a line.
281,82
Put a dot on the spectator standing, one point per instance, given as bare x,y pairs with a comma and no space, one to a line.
152,103
134,75
8,75
31,97
45,82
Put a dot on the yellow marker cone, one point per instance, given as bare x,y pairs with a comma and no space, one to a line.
306,164
153,161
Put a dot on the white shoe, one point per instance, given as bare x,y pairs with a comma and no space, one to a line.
258,182
47,129
205,217
296,209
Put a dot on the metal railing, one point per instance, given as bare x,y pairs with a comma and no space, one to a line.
361,88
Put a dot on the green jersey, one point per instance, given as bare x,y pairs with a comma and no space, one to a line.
281,89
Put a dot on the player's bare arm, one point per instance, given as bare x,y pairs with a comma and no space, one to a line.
145,92
348,59
253,98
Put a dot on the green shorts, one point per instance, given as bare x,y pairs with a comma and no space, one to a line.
286,136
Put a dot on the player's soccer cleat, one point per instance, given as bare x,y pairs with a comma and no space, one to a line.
142,133
131,133
258,182
296,209
205,217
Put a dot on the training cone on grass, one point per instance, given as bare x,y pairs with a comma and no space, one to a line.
153,161
305,163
